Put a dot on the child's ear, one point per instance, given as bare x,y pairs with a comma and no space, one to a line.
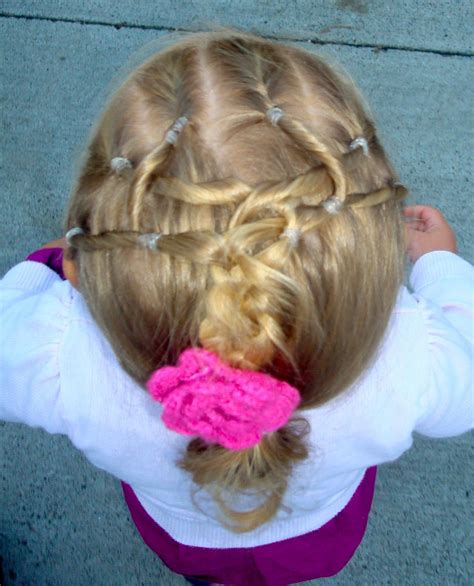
70,271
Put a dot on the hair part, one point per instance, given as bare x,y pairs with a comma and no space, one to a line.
221,194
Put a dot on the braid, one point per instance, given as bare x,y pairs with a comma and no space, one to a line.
308,142
147,170
378,197
261,296
226,191
310,188
261,76
171,95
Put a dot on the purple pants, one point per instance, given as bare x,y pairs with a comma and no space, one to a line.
318,554
51,257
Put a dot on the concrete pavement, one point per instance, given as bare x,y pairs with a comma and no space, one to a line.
63,522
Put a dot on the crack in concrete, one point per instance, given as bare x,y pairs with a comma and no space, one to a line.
315,41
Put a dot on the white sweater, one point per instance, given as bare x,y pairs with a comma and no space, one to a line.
58,372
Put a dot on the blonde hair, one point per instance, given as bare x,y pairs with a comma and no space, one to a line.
222,191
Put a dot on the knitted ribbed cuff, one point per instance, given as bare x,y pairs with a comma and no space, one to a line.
29,275
436,265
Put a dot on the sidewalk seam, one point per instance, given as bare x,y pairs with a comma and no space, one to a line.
315,41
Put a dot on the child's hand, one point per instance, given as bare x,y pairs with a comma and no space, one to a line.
427,230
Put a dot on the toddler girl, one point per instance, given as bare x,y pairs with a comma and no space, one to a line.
233,339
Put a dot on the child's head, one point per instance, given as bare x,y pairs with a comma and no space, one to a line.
281,246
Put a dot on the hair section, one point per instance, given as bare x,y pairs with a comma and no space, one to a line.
226,194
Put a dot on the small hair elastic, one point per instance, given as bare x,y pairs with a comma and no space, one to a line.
172,135
119,164
332,205
293,235
360,142
149,240
274,114
71,233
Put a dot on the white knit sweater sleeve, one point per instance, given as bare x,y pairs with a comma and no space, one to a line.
443,285
34,310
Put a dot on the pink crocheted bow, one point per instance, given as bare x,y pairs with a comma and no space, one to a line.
206,397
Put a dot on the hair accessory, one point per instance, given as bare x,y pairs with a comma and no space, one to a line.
360,142
332,205
275,114
293,235
119,164
203,396
149,240
71,233
172,135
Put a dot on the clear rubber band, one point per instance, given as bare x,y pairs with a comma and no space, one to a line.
360,141
275,114
293,235
119,164
73,232
333,205
149,240
172,135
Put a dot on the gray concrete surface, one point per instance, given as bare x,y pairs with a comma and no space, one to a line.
443,26
63,522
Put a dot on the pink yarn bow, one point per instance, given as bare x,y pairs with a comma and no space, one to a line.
221,404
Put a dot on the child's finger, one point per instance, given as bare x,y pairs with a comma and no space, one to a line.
432,217
410,210
417,211
412,221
